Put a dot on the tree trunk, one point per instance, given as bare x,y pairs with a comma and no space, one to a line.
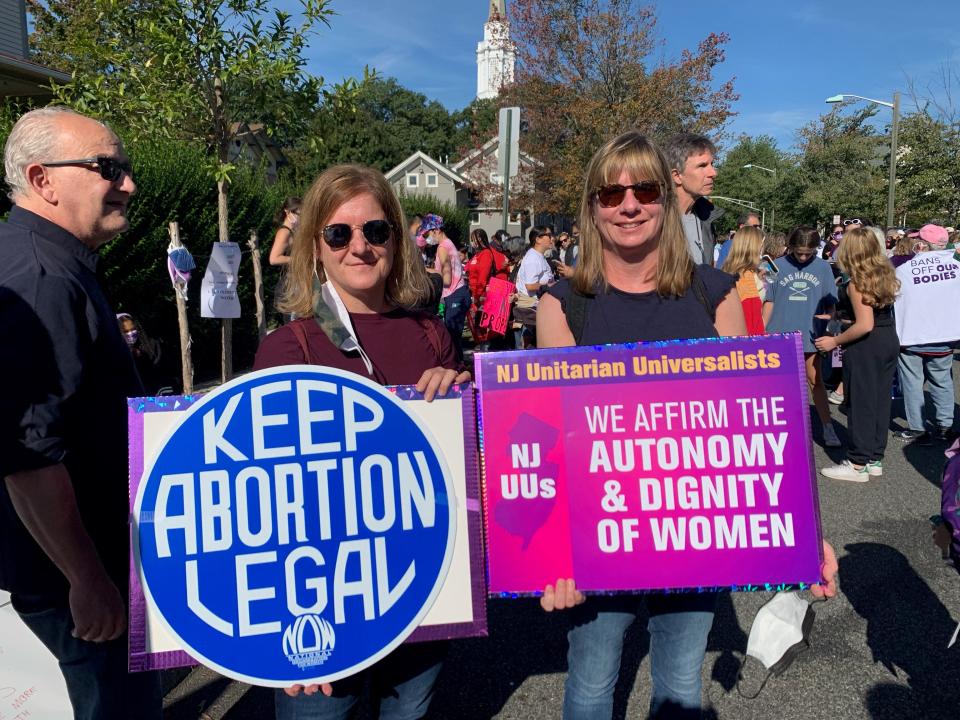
186,360
226,325
253,244
222,226
226,342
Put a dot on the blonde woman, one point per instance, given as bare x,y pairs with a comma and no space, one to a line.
636,281
870,350
742,261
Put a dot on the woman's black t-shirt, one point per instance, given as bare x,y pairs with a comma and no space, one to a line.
614,316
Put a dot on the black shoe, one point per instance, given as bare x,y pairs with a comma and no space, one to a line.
926,439
909,435
946,434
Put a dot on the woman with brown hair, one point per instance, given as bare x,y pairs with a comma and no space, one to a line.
870,349
286,220
487,262
742,262
352,276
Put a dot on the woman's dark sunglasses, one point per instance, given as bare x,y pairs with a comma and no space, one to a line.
337,236
110,168
612,195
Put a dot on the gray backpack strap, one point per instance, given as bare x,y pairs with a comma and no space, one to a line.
576,310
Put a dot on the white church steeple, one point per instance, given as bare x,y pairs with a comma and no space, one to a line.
495,54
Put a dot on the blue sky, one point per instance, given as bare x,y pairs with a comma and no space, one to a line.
786,56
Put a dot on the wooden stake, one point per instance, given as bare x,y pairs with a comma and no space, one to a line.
253,244
226,340
186,359
223,232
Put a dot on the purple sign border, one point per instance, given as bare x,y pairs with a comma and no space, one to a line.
498,358
140,659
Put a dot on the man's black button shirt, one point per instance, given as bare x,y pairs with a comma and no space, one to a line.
66,372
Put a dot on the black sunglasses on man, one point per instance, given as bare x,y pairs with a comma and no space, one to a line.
109,168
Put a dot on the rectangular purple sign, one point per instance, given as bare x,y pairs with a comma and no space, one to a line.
649,466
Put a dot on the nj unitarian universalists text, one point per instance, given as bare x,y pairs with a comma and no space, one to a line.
640,366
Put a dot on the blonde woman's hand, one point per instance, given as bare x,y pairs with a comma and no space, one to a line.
562,596
827,587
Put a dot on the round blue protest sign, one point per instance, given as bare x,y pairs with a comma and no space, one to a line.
295,526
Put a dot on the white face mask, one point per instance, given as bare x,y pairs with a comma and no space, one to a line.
780,632
433,240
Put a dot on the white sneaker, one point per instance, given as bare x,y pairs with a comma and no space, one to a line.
875,468
830,438
846,471
835,398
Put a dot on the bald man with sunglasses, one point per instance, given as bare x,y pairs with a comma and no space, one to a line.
64,550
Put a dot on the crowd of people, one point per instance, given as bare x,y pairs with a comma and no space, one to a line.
641,263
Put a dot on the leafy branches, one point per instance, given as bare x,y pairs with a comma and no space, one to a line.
187,69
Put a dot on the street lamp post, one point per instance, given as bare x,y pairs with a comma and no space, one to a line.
773,207
894,131
749,204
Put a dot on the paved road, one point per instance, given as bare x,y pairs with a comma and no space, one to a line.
879,649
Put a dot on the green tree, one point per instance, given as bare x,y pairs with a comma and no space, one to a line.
185,68
384,124
475,124
754,184
66,34
842,169
928,171
174,184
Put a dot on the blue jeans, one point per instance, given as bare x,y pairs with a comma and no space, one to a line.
455,309
403,682
938,372
679,625
98,683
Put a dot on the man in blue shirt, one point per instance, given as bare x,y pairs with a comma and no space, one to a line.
748,220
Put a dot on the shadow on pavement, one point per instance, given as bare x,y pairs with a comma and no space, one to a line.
727,637
480,674
907,632
927,461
